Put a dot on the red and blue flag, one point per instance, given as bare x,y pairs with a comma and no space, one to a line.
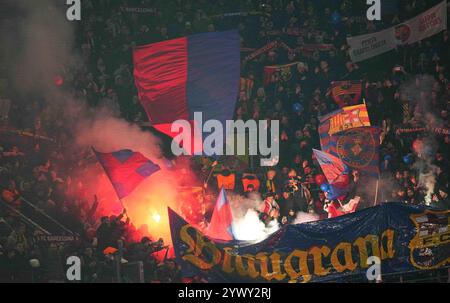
332,166
197,73
357,147
126,169
336,173
220,227
342,119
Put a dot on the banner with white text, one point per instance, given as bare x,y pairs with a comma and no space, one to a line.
425,25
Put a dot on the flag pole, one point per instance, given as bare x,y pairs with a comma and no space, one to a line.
376,191
379,172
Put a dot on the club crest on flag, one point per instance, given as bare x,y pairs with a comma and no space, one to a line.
343,119
284,72
352,118
346,120
357,147
431,236
346,93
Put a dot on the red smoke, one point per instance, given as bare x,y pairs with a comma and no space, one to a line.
147,204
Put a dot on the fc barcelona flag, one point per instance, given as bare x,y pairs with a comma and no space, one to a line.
346,93
198,73
333,167
336,172
342,119
285,72
357,147
126,169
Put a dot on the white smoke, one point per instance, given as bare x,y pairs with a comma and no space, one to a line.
246,223
428,181
107,133
427,177
418,92
303,217
250,228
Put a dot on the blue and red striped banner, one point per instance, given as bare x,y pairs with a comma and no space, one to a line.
198,73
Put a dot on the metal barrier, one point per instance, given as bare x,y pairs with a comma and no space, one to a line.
24,218
42,212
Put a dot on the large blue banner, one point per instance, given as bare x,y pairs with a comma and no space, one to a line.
404,237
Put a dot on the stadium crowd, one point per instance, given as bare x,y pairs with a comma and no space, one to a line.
404,89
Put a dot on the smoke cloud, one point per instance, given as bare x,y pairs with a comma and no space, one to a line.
250,228
418,92
303,217
39,45
246,223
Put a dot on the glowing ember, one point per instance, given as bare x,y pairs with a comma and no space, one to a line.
156,217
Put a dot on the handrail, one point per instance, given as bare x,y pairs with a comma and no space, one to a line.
28,220
41,211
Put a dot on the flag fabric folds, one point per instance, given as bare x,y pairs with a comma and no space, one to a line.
348,208
356,147
126,169
346,93
342,119
197,73
220,227
336,173
332,167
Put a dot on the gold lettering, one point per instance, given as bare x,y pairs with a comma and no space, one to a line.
318,264
303,270
389,234
204,254
186,238
361,244
197,249
227,256
275,260
348,261
250,270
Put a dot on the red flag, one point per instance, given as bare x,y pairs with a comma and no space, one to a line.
350,207
220,227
